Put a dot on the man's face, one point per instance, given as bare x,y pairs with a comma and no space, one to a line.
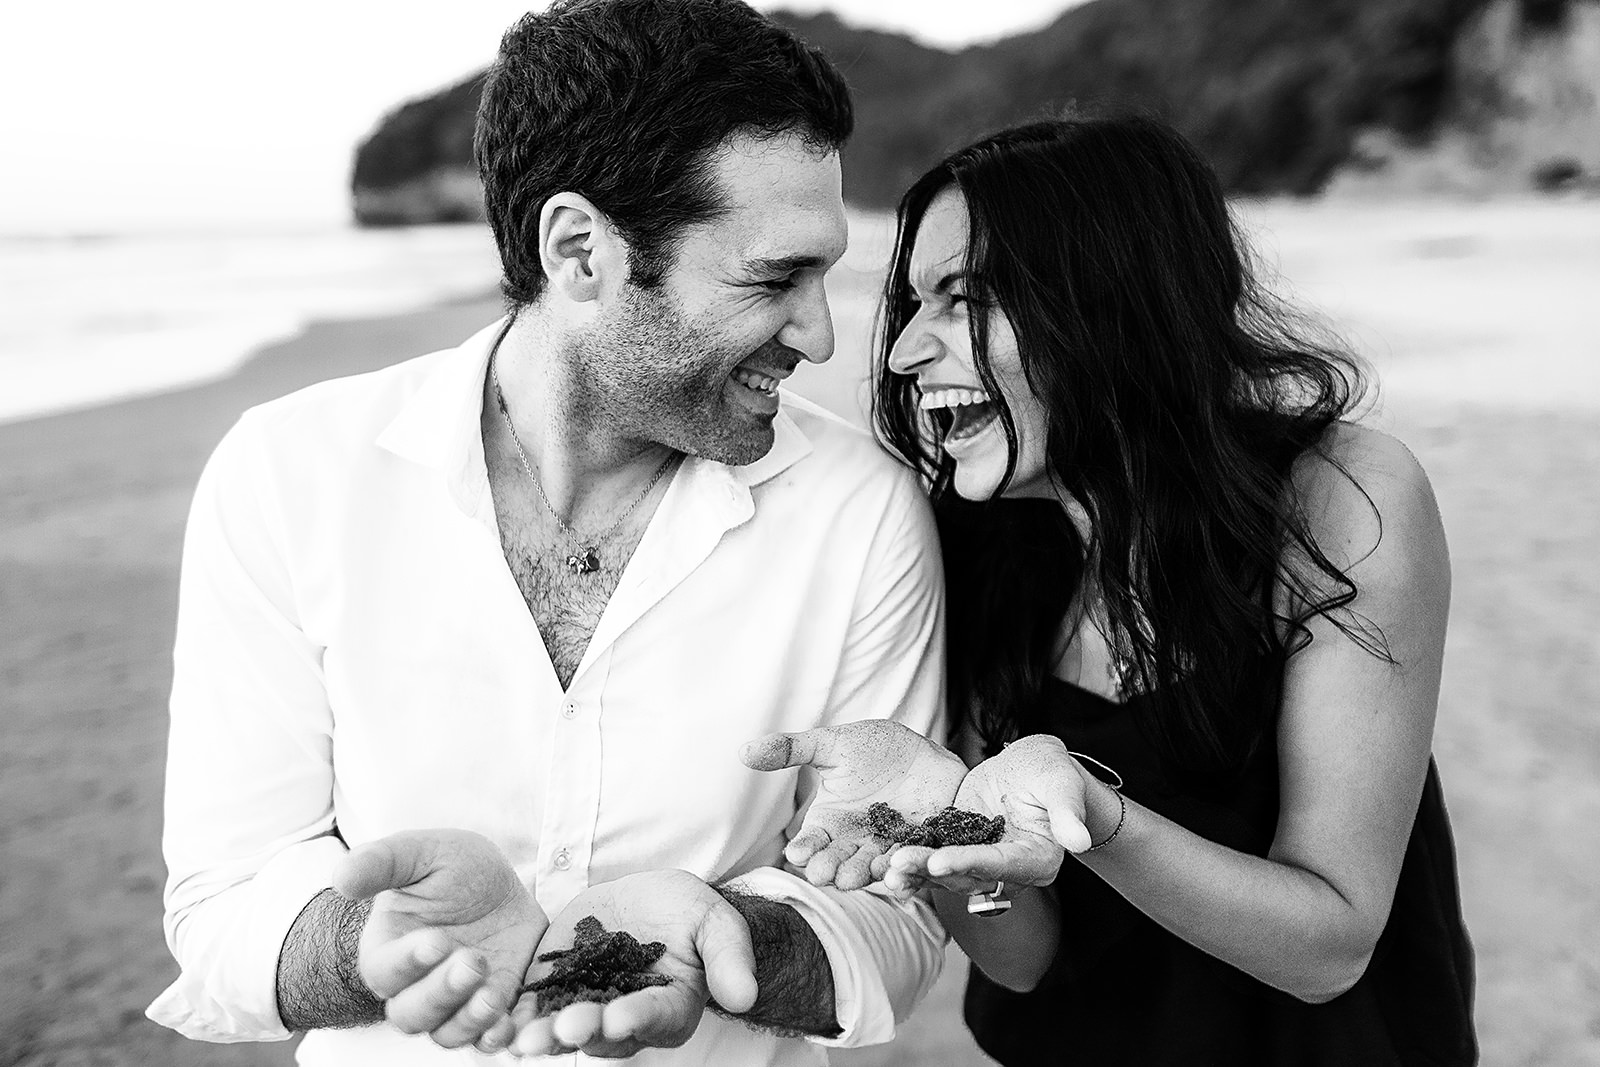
695,364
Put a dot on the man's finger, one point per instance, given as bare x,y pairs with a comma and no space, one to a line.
389,968
910,859
728,958
536,1036
774,752
576,1025
499,1037
487,1008
662,1017
857,870
805,844
822,867
427,1005
392,862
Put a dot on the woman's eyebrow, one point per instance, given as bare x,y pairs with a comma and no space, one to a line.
944,283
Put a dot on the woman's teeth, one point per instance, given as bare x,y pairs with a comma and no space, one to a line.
970,409
935,399
759,382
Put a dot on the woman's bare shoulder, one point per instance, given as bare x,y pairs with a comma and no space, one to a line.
1365,496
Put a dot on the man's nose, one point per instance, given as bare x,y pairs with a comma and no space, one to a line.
809,330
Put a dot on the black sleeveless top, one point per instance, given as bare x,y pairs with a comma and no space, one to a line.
1122,990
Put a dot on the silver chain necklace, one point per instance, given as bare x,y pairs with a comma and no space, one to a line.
587,559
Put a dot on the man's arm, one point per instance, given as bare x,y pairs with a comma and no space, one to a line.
430,929
319,986
794,981
250,841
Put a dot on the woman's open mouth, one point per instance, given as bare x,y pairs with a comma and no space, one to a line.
971,411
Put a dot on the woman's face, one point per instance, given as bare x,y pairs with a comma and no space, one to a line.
936,348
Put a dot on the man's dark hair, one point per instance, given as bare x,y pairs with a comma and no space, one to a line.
624,102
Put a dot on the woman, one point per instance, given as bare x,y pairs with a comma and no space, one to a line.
1167,549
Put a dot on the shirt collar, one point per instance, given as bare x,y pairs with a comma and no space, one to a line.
438,427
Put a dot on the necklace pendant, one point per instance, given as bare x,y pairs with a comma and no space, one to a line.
585,562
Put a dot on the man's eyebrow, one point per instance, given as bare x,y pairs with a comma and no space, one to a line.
768,266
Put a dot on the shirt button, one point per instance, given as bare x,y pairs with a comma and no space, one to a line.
569,710
562,860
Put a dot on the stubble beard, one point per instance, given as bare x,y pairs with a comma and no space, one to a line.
653,376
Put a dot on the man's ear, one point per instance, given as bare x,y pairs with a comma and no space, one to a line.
581,252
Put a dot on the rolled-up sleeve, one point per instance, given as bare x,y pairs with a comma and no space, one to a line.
249,836
885,956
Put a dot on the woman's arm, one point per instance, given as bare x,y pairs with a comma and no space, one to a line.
1014,949
1354,738
1353,745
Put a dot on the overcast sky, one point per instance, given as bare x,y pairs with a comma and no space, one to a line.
119,115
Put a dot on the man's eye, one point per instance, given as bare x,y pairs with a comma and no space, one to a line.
779,285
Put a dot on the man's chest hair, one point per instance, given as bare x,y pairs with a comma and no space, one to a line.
565,605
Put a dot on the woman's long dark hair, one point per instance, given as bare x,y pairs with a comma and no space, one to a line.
1177,398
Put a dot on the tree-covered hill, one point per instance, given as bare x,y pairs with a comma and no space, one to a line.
1275,92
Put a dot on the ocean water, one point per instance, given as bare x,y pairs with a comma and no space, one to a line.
1483,302
89,319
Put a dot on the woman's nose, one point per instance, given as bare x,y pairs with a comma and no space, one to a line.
914,349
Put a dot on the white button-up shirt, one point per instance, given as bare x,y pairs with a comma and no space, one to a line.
353,653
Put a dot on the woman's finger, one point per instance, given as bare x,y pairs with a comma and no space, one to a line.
977,861
1028,860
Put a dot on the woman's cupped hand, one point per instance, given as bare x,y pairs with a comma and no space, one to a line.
1039,788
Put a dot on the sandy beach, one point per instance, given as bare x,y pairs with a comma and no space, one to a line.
92,505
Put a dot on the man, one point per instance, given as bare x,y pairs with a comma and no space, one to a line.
539,588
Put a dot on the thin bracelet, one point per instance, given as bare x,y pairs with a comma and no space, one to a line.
1116,787
1121,818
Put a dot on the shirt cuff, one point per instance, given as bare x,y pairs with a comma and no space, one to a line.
885,956
228,945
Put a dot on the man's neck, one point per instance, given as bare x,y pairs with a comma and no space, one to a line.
537,412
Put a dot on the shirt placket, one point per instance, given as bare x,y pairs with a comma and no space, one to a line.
572,792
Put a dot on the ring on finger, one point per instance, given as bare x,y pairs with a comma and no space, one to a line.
991,903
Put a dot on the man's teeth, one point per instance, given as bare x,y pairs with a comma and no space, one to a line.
759,382
952,398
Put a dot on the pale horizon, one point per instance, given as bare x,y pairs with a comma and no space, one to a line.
185,115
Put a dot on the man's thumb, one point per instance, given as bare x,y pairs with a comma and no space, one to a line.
729,959
392,862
